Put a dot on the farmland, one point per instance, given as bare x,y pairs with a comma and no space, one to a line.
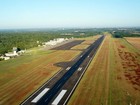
134,41
113,77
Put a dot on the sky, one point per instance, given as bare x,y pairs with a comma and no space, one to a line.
69,13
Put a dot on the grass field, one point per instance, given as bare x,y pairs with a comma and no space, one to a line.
113,77
134,41
88,40
86,43
127,73
80,47
21,76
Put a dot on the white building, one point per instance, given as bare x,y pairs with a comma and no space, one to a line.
55,41
5,58
11,54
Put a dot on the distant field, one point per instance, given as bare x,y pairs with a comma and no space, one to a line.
21,76
134,41
113,77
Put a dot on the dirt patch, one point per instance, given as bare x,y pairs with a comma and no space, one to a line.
130,64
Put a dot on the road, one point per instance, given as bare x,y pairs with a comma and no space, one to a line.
59,92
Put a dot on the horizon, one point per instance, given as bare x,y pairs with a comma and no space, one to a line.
65,28
69,14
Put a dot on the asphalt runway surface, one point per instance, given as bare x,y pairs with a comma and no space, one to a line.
68,46
65,79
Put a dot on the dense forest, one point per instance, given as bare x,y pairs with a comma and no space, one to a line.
26,40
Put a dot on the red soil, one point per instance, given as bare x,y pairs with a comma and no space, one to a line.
131,64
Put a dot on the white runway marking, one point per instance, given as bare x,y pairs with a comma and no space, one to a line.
68,68
36,99
80,68
59,97
40,87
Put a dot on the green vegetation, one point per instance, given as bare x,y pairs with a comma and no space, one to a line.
1,59
26,40
125,33
22,40
117,35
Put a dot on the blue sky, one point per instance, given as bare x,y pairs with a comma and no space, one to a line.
69,13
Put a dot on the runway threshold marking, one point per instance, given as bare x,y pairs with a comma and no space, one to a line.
36,99
80,68
59,97
68,68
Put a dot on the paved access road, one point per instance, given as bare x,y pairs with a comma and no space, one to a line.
59,92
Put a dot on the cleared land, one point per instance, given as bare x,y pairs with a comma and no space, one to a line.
113,77
134,41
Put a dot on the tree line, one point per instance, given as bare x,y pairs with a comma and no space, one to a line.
26,40
121,34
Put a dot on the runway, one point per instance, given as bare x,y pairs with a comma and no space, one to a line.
58,92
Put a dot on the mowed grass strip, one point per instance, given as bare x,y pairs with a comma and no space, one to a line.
21,76
93,88
117,96
90,40
80,47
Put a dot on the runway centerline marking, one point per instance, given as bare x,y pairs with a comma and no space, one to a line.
59,97
36,99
